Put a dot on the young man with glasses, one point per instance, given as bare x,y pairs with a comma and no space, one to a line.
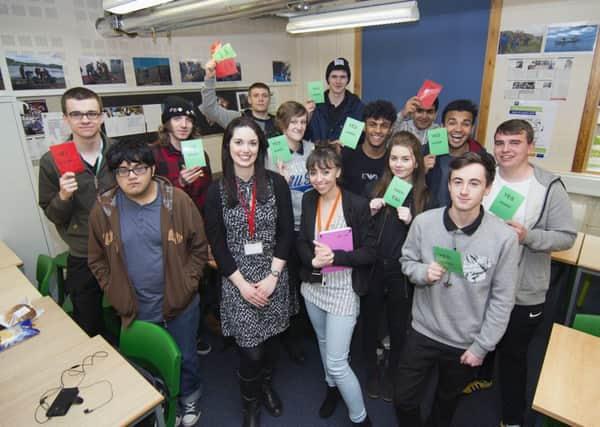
459,312
147,248
68,198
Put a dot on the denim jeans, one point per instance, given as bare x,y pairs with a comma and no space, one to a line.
334,334
184,330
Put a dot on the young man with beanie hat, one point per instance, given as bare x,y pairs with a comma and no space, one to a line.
68,198
179,121
259,98
328,118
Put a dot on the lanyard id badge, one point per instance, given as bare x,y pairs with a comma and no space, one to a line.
253,248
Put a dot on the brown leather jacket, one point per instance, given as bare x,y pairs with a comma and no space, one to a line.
184,252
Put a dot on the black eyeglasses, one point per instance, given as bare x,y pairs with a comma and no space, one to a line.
78,115
137,170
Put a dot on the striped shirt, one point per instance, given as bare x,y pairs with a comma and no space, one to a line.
337,296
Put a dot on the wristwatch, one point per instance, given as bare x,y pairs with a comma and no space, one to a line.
275,273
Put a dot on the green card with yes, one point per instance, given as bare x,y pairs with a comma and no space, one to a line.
450,259
506,203
279,149
316,92
396,193
438,141
193,153
351,132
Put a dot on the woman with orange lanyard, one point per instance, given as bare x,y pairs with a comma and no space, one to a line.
332,297
249,223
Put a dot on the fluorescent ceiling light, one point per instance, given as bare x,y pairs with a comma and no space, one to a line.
122,7
363,14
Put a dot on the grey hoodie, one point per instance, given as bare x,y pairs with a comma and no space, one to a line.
473,312
554,230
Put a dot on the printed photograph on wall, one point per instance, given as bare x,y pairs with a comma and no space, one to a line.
96,70
571,38
524,40
36,71
242,100
152,71
191,71
237,77
32,117
282,71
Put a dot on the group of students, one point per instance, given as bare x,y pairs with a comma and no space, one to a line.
140,227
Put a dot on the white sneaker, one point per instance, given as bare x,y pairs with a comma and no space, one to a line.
191,414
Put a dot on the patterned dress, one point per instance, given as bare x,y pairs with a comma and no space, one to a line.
248,324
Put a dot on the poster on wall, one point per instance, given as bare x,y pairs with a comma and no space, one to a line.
191,71
542,116
594,159
33,127
124,120
541,78
521,40
152,71
571,38
242,100
98,70
282,71
36,71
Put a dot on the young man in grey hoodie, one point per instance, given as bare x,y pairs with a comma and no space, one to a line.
457,316
544,223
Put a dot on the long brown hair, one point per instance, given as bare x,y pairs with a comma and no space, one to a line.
164,139
420,192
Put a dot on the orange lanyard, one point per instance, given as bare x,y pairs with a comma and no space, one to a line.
330,218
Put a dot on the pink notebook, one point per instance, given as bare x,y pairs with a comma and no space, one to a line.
340,239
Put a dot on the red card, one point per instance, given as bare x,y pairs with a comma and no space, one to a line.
67,157
226,68
214,47
428,92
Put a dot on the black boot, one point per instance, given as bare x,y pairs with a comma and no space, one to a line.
250,391
270,399
364,423
329,404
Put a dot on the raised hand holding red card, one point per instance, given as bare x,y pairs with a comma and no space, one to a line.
66,157
428,93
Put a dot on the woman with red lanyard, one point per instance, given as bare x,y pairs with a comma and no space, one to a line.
250,226
332,297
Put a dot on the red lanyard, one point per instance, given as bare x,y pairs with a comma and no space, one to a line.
330,218
250,213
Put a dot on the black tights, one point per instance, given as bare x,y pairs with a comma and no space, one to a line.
254,359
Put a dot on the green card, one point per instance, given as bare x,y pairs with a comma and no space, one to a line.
227,51
193,153
396,193
316,92
506,203
279,148
450,259
351,132
438,141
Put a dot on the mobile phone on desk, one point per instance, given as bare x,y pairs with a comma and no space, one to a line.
63,401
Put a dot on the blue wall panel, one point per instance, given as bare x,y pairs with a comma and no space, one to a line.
447,46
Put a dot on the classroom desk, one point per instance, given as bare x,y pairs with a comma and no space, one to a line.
14,286
568,386
8,257
111,379
570,256
588,263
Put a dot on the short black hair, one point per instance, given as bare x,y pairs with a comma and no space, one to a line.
130,150
515,127
460,105
380,109
469,158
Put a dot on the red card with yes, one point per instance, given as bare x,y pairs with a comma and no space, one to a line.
66,157
428,92
226,67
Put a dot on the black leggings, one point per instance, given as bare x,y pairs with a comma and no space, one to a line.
253,360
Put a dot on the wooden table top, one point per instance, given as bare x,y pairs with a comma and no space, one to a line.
14,286
568,388
570,256
110,380
8,257
590,253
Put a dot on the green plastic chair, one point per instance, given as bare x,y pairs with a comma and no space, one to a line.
44,271
60,261
588,323
164,360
